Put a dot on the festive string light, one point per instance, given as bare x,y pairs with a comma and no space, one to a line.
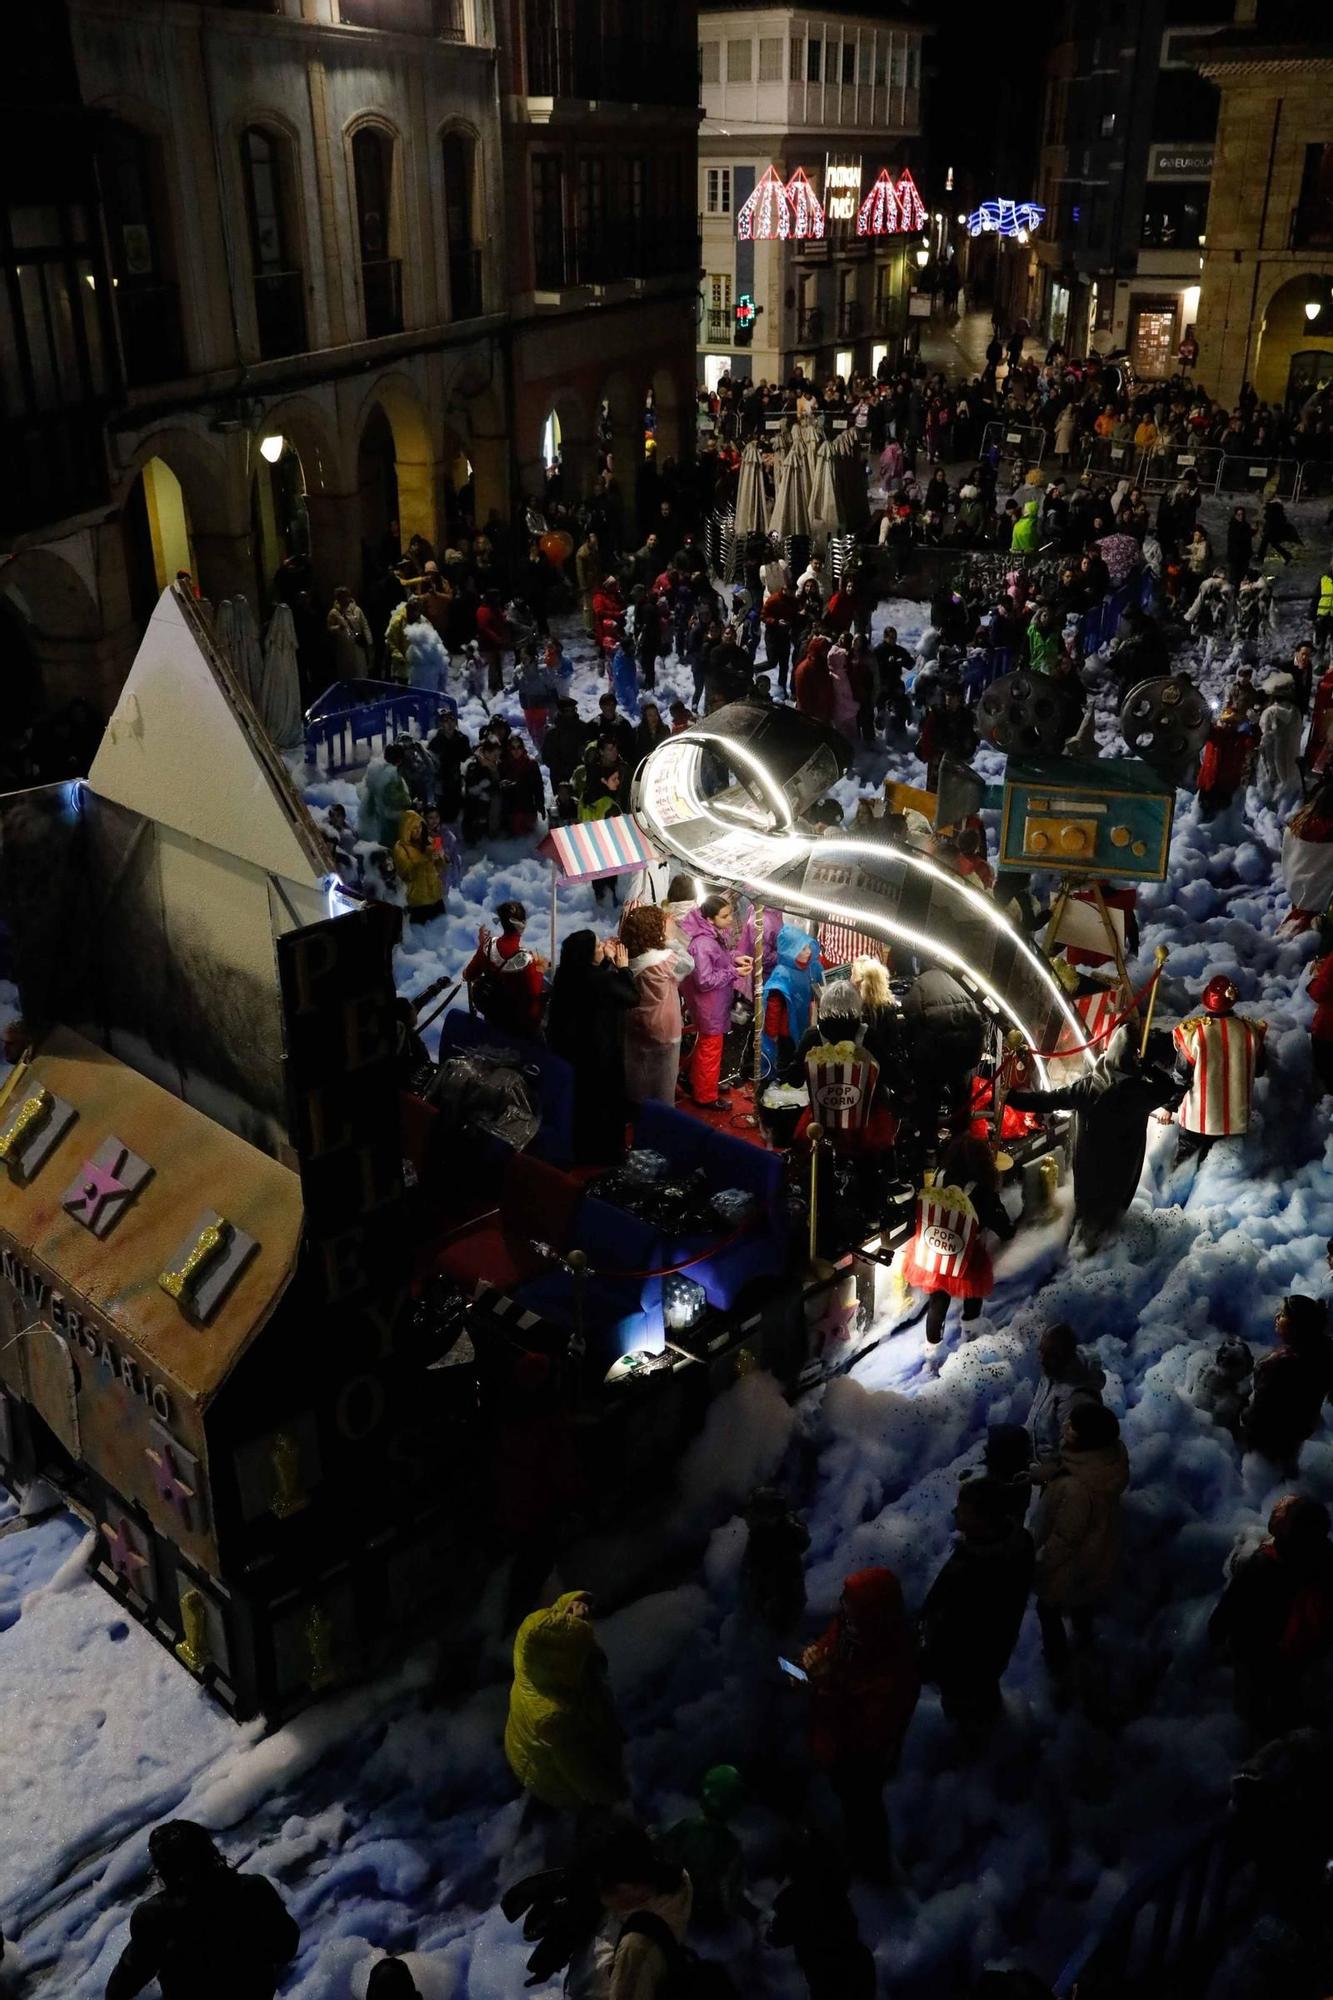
1005,218
807,213
767,213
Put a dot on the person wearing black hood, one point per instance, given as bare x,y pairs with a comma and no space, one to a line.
974,1608
1112,1103
592,992
1292,1384
208,1933
1275,1617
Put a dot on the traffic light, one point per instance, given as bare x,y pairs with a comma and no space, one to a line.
745,314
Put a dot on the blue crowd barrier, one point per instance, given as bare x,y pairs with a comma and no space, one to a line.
1164,1934
340,733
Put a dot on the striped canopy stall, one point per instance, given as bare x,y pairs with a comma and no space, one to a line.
598,847
593,849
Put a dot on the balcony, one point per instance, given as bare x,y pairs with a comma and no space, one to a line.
809,325
717,326
280,313
465,294
849,319
382,289
886,315
607,67
150,333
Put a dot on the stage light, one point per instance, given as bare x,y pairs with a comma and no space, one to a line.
684,1302
1313,308
271,448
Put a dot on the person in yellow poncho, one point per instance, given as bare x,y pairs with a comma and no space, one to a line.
418,869
562,1737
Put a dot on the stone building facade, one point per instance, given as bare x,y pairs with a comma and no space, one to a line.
294,293
1266,313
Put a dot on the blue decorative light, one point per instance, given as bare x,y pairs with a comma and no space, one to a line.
1005,218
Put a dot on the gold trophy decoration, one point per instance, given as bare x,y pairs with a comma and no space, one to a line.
30,1115
192,1650
206,1247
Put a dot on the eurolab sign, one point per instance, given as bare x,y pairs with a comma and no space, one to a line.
782,210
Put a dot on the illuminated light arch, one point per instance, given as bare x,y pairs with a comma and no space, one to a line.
911,209
807,213
766,213
1003,217
760,858
878,213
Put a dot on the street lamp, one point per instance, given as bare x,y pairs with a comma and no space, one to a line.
922,255
1313,308
271,448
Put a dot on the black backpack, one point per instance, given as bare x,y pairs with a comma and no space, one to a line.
689,1977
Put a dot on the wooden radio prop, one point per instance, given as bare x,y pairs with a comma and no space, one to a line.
1108,818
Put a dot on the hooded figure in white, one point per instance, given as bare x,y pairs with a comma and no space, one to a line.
1280,725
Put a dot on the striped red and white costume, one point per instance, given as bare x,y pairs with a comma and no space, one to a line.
1099,1011
841,1091
1222,1051
948,1252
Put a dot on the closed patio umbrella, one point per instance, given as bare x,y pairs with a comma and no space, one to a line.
751,500
280,695
247,658
791,500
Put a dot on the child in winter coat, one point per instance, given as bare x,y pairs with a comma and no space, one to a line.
1280,738
813,1914
1076,1528
562,1737
773,1566
947,1257
864,1688
788,992
708,991
418,870
653,1025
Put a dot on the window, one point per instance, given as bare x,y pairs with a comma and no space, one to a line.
848,62
814,55
591,197
881,62
897,65
740,56
381,274
1312,225
279,293
914,66
770,59
145,299
865,60
1175,214
548,221
719,305
708,62
797,58
1108,124
457,158
717,200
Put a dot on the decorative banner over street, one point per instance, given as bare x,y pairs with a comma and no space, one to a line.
767,213
842,188
890,207
1005,218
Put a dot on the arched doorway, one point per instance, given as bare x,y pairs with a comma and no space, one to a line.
158,540
1287,331
279,519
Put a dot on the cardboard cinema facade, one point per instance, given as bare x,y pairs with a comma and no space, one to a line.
200,1183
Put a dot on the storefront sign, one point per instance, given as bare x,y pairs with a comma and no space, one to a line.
1180,163
43,1302
842,189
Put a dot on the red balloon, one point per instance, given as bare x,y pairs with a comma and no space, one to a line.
557,547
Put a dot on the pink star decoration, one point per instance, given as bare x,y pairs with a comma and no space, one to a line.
125,1558
97,1186
167,1479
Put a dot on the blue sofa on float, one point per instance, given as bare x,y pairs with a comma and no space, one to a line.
761,1250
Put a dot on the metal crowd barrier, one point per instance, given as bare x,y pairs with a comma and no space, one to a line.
1164,465
1250,473
1105,455
1014,441
339,734
1314,479
1163,1935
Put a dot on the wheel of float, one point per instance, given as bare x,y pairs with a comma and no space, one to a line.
1165,721
1024,711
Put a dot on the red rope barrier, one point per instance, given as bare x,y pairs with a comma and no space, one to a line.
1103,1034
